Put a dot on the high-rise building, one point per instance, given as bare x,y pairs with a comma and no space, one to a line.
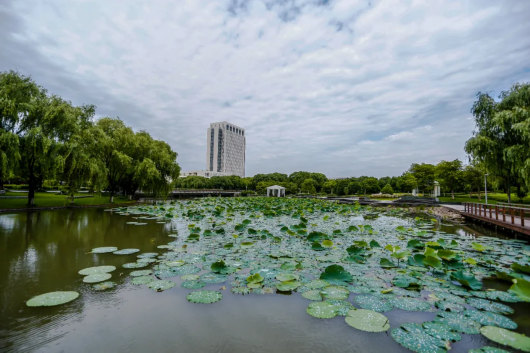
225,149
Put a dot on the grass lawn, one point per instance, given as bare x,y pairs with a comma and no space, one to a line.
44,199
493,198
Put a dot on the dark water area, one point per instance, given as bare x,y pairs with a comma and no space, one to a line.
43,251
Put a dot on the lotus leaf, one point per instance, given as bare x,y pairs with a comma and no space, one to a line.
160,285
502,296
521,288
312,295
386,263
440,331
370,302
487,349
481,247
288,286
135,265
126,251
367,320
450,297
337,273
97,277
213,278
284,277
142,280
334,292
193,284
448,306
489,306
240,290
52,299
97,269
322,310
255,278
104,285
317,283
409,304
414,337
507,338
432,261
104,250
204,296
521,268
458,322
487,318
467,281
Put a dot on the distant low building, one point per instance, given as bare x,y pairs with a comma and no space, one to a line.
202,173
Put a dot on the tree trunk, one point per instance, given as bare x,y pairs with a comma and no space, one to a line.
509,191
111,197
31,192
479,195
453,194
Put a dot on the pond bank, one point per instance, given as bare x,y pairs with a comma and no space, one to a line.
9,210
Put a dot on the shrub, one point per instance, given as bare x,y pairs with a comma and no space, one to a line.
387,189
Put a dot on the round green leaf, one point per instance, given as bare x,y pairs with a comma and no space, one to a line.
160,285
369,302
367,320
142,280
312,295
204,296
97,269
409,304
97,277
507,338
52,299
104,250
334,292
104,285
322,310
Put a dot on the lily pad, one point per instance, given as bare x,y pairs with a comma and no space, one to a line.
322,310
507,338
97,277
337,273
458,322
414,337
97,269
317,283
142,280
283,277
52,299
104,250
288,286
192,284
370,302
367,320
160,285
342,306
204,297
521,288
313,295
334,292
491,319
489,306
126,251
441,331
409,304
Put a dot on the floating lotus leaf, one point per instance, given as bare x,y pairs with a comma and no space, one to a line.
213,278
466,280
97,269
255,278
502,296
414,337
283,277
322,310
416,260
135,265
370,302
142,280
448,306
176,263
190,277
431,261
386,263
405,281
186,270
336,272
440,331
97,277
489,306
104,286
487,318
507,338
160,285
52,299
450,297
409,304
521,288
367,320
334,292
458,322
481,247
521,268
312,295
254,285
240,290
126,251
204,297
192,284
317,283
104,250
288,286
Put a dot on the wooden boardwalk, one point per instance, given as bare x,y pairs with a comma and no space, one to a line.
514,218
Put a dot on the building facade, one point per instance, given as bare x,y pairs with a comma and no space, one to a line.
202,173
225,149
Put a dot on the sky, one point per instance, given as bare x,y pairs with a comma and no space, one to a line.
342,87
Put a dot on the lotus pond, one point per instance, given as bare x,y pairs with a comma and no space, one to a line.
259,274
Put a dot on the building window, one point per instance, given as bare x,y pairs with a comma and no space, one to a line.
220,150
212,134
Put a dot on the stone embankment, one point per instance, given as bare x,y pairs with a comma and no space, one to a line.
445,213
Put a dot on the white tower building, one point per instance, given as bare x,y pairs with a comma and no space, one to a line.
225,149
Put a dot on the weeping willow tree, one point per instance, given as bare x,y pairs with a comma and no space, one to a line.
501,138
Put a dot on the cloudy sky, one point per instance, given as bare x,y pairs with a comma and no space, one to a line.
343,87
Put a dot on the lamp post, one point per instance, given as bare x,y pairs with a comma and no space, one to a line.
485,188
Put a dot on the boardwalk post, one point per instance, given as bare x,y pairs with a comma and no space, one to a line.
522,218
497,212
489,207
504,213
480,210
511,213
475,209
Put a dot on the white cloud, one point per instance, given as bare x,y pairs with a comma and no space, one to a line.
341,87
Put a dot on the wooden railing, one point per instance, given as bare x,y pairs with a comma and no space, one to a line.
520,205
507,214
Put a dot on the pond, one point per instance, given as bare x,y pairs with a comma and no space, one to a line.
289,243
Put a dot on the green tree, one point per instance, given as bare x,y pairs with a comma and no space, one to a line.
330,186
424,174
474,177
450,175
354,187
407,183
17,92
309,186
247,182
387,189
370,185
